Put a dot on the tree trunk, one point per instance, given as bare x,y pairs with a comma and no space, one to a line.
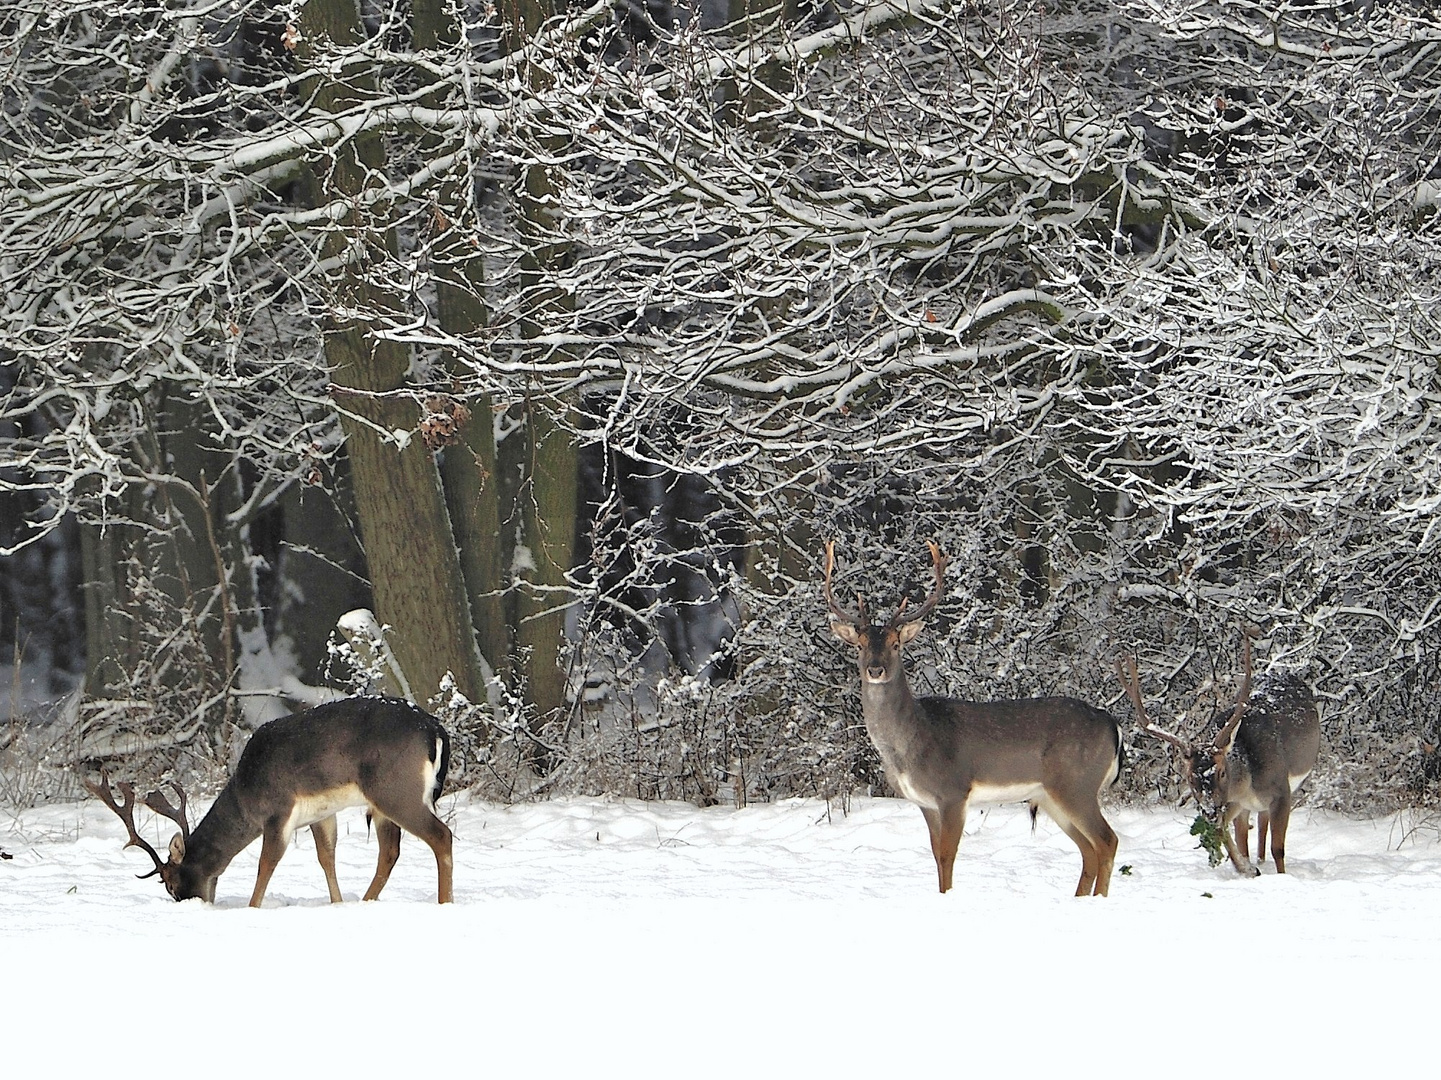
549,465
548,513
405,527
468,467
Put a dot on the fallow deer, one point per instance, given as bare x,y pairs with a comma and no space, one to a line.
1260,755
943,754
380,753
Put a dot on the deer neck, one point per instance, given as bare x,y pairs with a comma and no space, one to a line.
888,708
1243,774
221,835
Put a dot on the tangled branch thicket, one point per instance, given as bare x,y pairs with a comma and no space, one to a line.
1132,307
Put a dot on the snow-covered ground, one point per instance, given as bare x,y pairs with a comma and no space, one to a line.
614,937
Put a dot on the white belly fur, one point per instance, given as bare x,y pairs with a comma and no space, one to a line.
1004,793
903,785
1250,801
980,793
309,809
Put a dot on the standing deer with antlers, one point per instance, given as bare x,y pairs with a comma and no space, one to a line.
943,754
380,753
1261,753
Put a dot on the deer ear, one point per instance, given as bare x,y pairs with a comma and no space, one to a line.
177,848
846,632
908,631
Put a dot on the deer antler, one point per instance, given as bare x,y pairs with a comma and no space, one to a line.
840,614
159,804
1222,742
938,566
1132,686
125,811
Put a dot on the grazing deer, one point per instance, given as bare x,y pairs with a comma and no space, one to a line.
1256,760
943,754
380,753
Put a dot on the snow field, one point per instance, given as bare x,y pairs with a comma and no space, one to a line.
614,937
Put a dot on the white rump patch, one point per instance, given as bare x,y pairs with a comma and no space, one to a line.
1111,773
427,777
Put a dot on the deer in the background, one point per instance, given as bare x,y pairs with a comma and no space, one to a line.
1264,748
380,753
943,754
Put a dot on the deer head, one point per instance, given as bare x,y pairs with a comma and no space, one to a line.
182,882
1206,767
878,648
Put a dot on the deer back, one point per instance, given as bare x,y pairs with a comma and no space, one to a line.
367,743
1275,747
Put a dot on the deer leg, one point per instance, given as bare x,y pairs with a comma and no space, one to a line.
438,836
420,820
1087,883
272,847
1090,862
324,832
1243,864
946,840
1106,844
933,827
1243,835
1280,818
1093,836
1263,821
387,833
938,848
